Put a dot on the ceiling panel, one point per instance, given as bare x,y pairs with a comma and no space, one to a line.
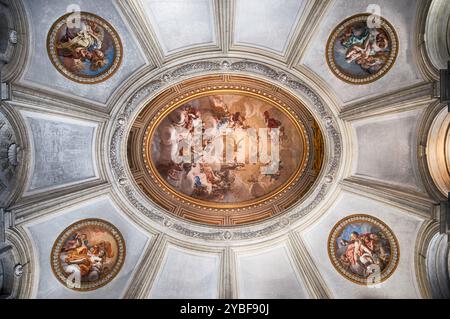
181,24
44,237
267,24
387,150
63,151
183,269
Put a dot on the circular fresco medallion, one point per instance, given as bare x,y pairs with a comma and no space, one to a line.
225,154
88,254
363,249
84,47
362,49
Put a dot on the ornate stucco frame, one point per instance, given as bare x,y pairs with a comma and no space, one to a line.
127,112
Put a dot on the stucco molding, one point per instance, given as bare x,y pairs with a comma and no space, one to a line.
431,261
434,36
416,96
23,254
141,283
47,100
422,38
425,127
121,175
413,202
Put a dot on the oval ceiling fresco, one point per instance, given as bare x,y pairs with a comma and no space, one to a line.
220,152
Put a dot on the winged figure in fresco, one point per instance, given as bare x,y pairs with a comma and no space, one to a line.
364,253
86,259
84,45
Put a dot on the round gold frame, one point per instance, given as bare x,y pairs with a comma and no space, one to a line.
105,75
159,191
394,247
353,79
55,261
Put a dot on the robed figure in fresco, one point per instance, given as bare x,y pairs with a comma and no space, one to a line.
364,254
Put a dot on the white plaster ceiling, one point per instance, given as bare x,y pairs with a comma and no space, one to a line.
270,25
386,149
181,24
187,273
43,236
39,71
383,147
405,226
268,273
64,151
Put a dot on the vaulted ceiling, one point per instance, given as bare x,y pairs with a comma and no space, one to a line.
73,139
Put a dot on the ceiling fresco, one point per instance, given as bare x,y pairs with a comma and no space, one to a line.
179,149
88,254
84,47
228,153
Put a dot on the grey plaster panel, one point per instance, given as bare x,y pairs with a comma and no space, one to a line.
40,71
187,273
43,237
402,283
268,273
63,153
387,151
181,24
401,14
268,24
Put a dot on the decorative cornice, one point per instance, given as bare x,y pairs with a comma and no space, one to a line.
427,68
23,254
426,234
127,190
413,97
133,12
145,272
310,21
14,69
426,124
59,102
20,135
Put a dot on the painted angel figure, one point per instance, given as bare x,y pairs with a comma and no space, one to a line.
83,45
